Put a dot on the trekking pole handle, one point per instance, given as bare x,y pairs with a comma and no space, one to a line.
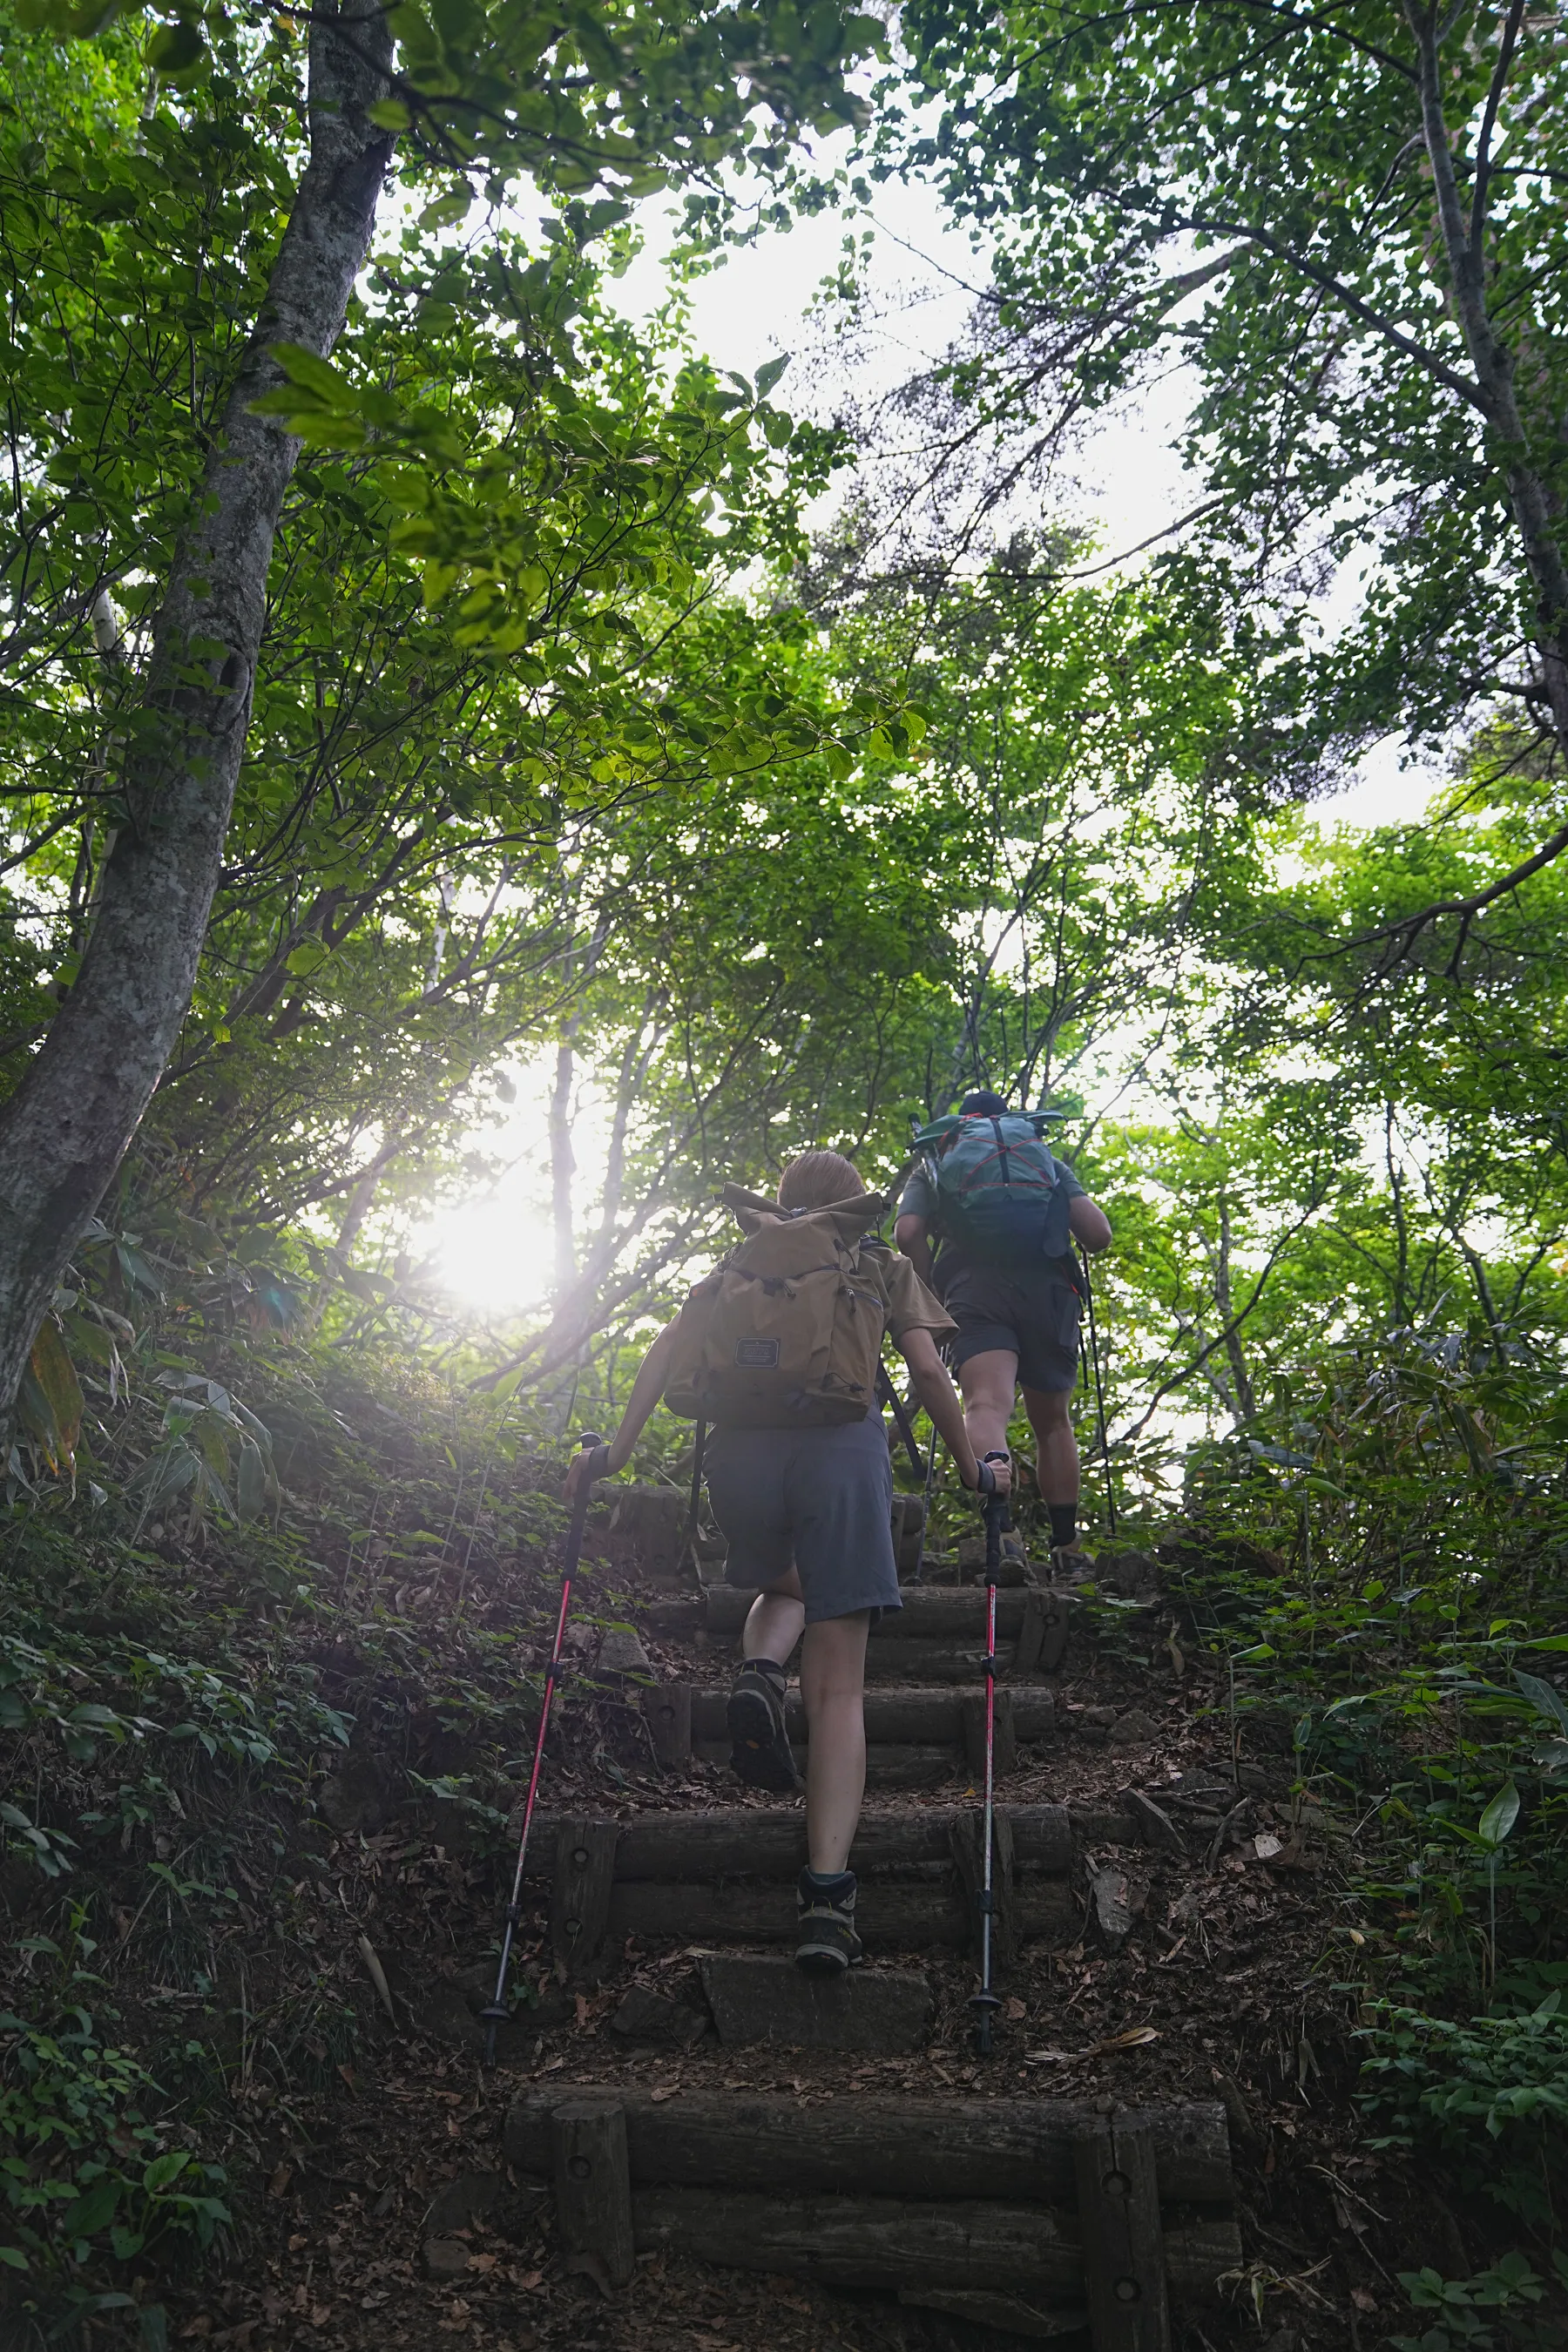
986,1480
599,1462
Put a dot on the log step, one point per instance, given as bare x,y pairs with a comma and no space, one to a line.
894,1917
938,1632
1059,2213
879,2012
730,1878
746,1843
901,1717
968,2150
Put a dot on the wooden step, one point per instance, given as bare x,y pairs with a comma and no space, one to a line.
754,1997
729,1879
907,1716
1056,2215
936,1636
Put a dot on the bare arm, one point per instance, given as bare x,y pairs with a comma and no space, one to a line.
914,1236
647,1390
1089,1224
940,1398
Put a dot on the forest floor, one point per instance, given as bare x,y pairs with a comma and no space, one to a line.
1233,1984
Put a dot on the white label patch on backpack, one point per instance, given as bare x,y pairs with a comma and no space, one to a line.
757,1355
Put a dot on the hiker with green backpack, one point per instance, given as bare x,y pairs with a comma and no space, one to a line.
1007,1213
778,1349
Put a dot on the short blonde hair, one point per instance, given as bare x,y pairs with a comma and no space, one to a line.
818,1179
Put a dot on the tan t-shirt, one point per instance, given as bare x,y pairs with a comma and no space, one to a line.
907,1305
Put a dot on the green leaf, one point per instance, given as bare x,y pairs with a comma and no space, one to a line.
250,1492
446,212
163,2169
175,51
1543,1697
313,373
389,113
52,1405
1499,1817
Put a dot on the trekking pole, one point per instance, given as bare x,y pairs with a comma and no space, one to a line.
1099,1396
498,2012
985,2003
931,1488
698,1448
905,1427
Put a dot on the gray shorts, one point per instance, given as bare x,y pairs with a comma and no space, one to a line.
1028,1310
819,1500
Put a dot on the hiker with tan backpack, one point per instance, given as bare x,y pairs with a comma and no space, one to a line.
779,1349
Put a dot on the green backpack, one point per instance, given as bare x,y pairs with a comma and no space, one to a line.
999,1192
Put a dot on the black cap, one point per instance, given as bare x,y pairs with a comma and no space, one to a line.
983,1103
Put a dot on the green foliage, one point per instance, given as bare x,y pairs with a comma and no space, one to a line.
1504,2294
87,2175
1258,205
1491,2094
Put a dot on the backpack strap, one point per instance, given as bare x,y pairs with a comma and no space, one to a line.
1002,1150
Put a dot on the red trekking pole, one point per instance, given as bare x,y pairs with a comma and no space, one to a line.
498,2012
985,2003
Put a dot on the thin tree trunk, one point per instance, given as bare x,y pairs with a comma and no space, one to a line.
1536,505
1245,1404
562,1162
63,1133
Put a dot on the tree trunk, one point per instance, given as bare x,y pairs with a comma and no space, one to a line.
1537,506
562,1162
63,1133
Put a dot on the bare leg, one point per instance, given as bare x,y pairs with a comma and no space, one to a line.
1052,1424
985,1382
833,1684
775,1621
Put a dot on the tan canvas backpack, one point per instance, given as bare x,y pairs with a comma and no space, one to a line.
786,1332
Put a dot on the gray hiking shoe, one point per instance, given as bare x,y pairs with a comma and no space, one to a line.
760,1753
827,1943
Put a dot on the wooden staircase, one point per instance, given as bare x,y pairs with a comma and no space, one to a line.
1034,2218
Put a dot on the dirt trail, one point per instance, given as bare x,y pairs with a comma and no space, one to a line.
392,2219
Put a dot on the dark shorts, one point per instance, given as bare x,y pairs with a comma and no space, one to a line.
818,1500
1033,1312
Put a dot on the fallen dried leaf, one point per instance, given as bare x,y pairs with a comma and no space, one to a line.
1361,2300
377,1976
1133,2038
348,2074
279,2184
1014,2008
483,2262
1265,1845
297,2240
667,2091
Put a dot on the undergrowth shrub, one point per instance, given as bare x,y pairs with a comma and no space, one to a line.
1490,2093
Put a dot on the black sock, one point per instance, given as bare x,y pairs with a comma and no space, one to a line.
1064,1524
834,1884
771,1668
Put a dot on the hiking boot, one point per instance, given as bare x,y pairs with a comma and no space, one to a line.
827,1943
760,1753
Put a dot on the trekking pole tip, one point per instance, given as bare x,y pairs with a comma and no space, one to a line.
984,2005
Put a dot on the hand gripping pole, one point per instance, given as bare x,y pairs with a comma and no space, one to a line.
498,2012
